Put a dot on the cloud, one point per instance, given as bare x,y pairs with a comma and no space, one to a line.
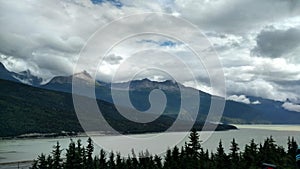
276,43
46,37
236,16
291,106
256,102
242,99
113,59
270,78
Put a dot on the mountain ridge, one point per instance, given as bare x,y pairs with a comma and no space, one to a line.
268,111
235,112
26,109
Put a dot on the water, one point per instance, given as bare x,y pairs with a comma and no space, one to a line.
28,149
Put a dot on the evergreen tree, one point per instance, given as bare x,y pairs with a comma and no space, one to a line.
96,163
102,159
128,162
135,162
175,158
111,162
183,157
70,156
56,153
42,162
34,165
49,162
207,161
291,152
194,143
268,151
119,162
292,147
78,157
193,149
168,159
250,158
221,157
89,153
157,162
234,155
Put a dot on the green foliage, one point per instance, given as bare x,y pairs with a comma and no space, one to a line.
221,158
89,153
56,154
252,157
194,143
234,154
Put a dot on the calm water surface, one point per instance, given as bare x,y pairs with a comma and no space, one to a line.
28,149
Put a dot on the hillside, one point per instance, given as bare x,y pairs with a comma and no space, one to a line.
267,112
26,109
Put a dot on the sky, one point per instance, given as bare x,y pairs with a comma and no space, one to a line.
256,41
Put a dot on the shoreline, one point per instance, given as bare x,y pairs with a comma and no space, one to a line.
274,127
17,164
98,133
104,133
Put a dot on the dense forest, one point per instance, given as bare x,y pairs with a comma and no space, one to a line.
190,156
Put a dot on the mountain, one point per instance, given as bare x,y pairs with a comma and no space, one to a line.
65,80
268,111
6,75
27,78
26,109
140,85
22,77
64,83
273,111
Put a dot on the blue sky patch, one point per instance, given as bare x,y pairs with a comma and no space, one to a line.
116,3
160,43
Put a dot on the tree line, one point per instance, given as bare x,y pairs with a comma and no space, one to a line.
190,156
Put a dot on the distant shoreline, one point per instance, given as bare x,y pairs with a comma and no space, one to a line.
277,127
98,133
16,162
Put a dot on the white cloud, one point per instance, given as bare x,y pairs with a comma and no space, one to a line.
242,99
256,102
291,106
46,36
236,16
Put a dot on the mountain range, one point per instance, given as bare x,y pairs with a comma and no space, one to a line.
266,112
26,110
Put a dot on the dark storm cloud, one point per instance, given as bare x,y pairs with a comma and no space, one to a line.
275,43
